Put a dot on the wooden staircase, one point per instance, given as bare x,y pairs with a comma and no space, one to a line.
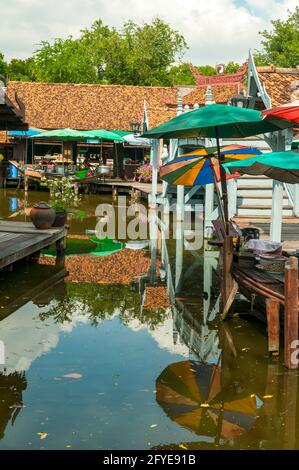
254,198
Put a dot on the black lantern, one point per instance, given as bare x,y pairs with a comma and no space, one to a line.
135,127
239,100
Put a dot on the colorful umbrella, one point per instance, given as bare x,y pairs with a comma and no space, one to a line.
289,111
200,167
281,166
188,392
217,121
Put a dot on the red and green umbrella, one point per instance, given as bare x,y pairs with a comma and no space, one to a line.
289,111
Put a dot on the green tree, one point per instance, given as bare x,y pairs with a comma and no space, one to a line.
135,55
206,70
143,55
281,45
21,70
232,67
3,66
66,60
181,75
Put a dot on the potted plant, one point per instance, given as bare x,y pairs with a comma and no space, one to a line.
144,173
63,196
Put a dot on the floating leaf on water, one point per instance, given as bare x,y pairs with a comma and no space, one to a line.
73,376
42,435
153,425
268,396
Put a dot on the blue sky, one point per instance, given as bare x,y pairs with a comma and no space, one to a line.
216,30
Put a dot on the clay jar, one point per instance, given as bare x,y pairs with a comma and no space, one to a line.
60,219
42,215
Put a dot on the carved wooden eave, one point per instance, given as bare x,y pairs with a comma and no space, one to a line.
11,116
221,79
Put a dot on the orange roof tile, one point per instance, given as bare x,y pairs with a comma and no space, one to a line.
278,82
58,105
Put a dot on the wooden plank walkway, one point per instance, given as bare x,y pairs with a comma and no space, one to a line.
21,239
125,186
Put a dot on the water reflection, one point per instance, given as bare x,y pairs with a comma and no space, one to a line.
215,386
193,395
11,398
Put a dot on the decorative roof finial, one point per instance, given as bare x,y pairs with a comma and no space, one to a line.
209,95
180,104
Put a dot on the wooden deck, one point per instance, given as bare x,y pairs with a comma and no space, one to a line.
21,239
110,185
279,294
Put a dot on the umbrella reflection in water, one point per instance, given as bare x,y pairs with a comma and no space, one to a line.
191,395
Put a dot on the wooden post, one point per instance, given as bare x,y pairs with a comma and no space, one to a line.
276,213
290,311
227,282
61,246
272,309
26,183
154,162
209,209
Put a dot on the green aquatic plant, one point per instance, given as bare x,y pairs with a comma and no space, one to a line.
63,194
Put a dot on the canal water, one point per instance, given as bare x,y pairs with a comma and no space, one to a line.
87,368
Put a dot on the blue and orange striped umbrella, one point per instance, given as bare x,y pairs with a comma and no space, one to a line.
202,167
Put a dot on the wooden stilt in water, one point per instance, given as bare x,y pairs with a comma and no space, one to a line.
26,183
272,310
227,282
291,313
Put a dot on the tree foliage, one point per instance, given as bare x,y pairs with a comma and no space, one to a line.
135,55
3,66
21,70
281,45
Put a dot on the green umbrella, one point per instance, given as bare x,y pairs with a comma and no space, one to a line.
281,166
105,135
121,133
65,134
217,121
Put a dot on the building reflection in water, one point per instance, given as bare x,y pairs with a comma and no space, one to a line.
232,395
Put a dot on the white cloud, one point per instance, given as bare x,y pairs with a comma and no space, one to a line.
216,31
